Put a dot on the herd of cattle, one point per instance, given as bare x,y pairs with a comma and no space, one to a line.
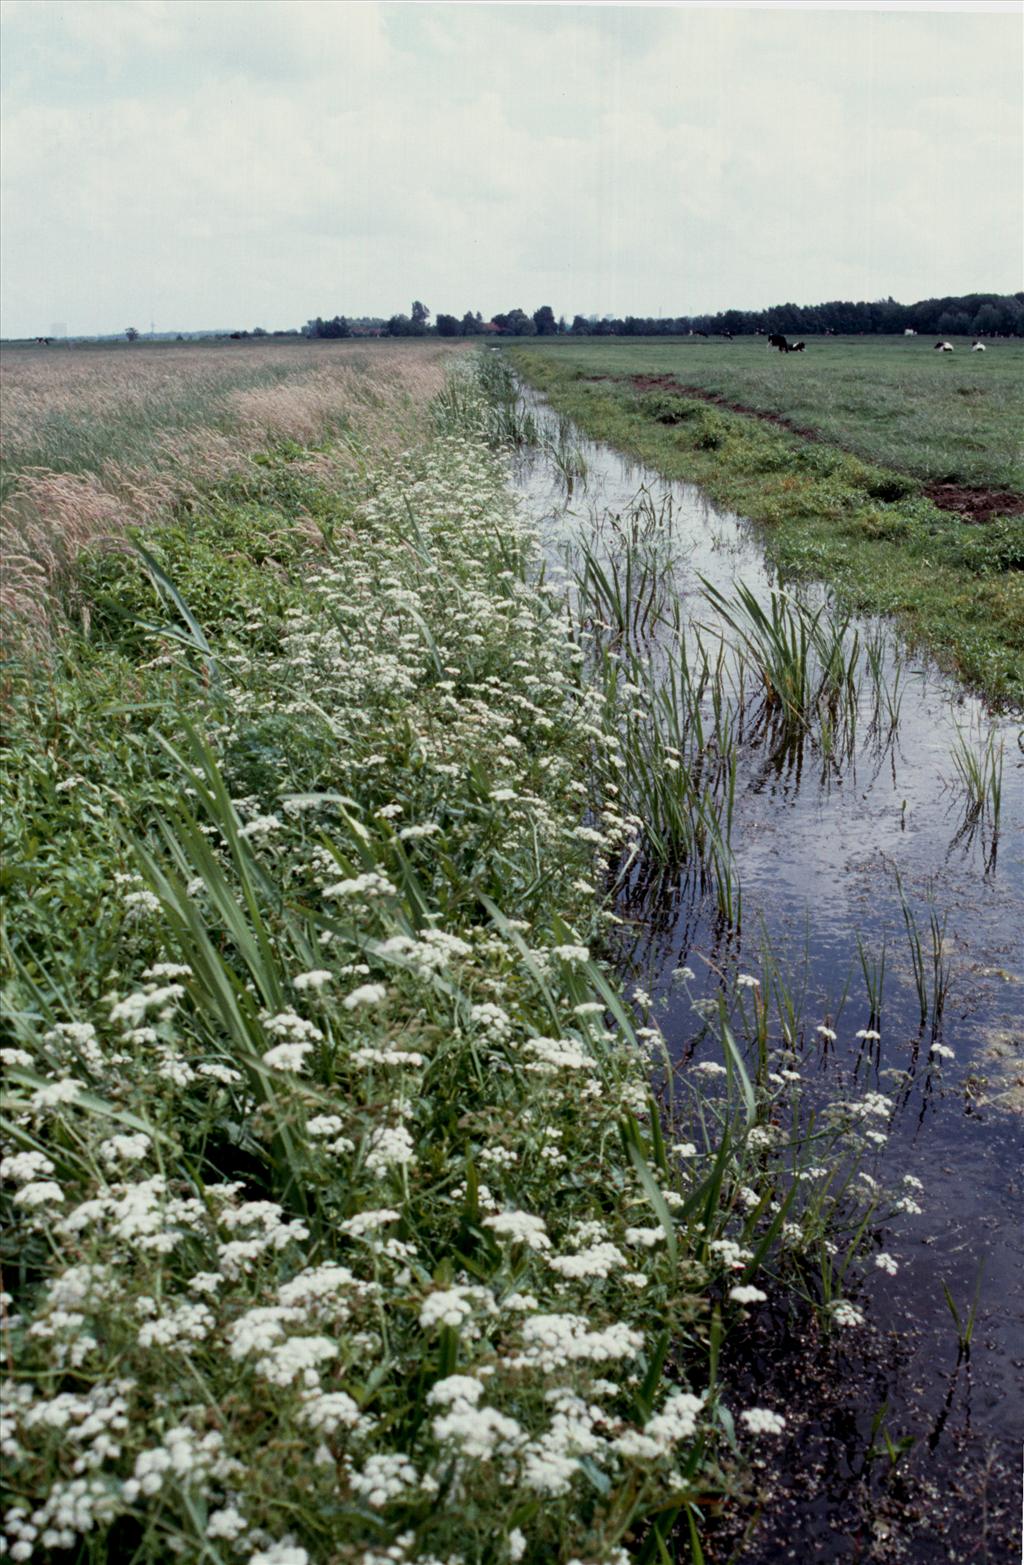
777,340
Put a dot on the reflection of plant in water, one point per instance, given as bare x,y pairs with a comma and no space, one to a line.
930,966
979,771
568,460
873,969
885,664
965,1323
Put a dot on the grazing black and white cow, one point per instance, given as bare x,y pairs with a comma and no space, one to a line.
944,347
795,347
977,347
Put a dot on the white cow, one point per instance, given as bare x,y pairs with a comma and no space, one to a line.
978,347
944,347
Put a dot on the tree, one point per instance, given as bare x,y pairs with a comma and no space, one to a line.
517,323
953,323
580,326
338,327
544,321
448,326
420,316
471,324
132,333
988,320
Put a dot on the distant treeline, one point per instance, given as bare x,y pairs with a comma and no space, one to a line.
972,314
978,314
955,315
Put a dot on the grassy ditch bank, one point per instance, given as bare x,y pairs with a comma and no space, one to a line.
340,1222
872,531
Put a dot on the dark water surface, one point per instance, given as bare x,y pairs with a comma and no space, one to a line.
821,852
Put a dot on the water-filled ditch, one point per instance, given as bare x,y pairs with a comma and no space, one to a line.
879,856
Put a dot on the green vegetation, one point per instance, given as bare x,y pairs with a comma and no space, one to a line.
153,409
856,513
340,1221
892,400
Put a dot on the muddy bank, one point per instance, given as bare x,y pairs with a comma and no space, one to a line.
975,505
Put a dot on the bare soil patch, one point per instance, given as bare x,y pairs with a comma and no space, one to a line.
975,505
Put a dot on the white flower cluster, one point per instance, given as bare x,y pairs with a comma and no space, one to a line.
391,1146
520,1228
213,1357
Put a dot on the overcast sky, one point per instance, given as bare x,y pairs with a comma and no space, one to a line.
207,163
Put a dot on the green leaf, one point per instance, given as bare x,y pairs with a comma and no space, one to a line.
734,1062
601,1482
650,1184
168,591
645,1396
696,1552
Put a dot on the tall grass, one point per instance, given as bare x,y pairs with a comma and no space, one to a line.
340,1218
97,442
807,660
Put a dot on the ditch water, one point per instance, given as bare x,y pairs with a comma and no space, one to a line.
834,856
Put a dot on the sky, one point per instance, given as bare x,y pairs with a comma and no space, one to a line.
241,163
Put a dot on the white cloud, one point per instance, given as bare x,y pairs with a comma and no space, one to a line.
235,163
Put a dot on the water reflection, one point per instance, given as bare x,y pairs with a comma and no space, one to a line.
873,892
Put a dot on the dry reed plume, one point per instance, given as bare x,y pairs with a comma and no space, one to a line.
100,440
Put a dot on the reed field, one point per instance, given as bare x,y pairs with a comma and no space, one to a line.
890,471
353,1208
97,439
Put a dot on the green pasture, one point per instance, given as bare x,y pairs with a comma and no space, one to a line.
846,496
955,417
